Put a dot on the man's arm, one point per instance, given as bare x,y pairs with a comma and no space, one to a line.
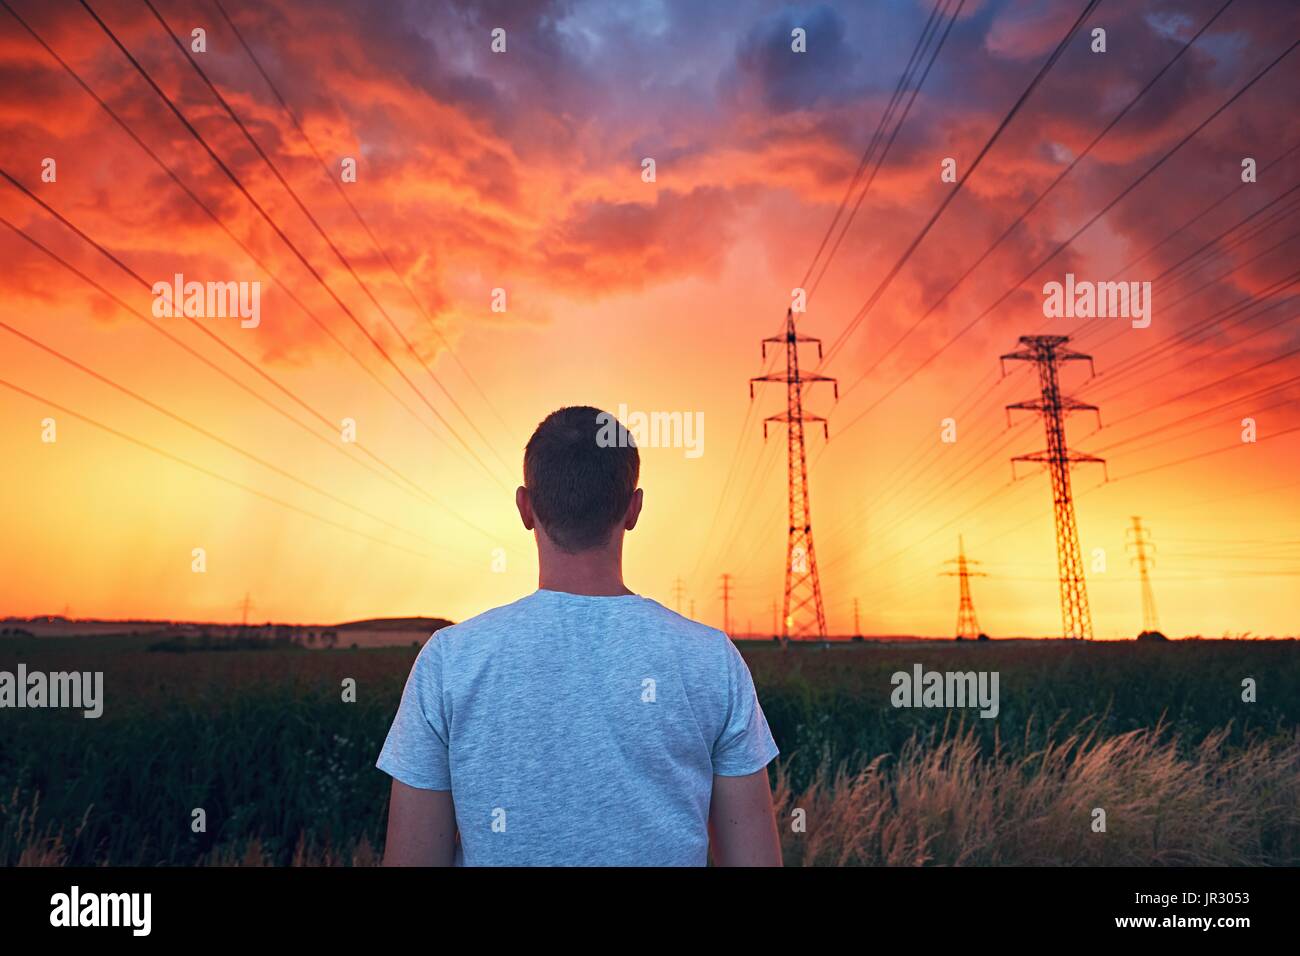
421,827
742,823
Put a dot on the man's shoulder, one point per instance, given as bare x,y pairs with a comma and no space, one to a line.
705,651
679,623
499,618
507,619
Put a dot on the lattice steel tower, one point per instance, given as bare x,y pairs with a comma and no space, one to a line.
1140,543
1047,352
804,613
968,626
726,604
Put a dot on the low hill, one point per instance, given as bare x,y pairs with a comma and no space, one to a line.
429,624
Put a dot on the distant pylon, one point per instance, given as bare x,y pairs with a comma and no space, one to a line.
1140,543
246,605
804,613
692,609
968,626
1047,352
857,631
678,590
726,603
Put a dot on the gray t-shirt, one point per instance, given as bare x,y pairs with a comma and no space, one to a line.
578,730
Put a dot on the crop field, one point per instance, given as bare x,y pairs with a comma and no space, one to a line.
1157,736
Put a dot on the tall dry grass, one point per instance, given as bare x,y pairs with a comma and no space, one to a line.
942,803
1186,771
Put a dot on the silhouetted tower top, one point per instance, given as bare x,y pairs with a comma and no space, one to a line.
726,603
679,589
805,612
968,627
1141,543
1047,352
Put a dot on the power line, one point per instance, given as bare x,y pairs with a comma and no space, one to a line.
425,495
1186,338
903,80
1205,454
880,158
1197,415
1158,359
945,487
206,471
1229,377
1238,311
1210,208
1210,320
1015,223
357,213
1168,464
338,254
198,137
1062,246
202,431
1213,319
902,477
957,187
1257,230
871,146
171,174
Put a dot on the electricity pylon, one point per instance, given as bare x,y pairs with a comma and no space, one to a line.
1140,543
1047,352
245,606
726,603
804,613
678,590
968,626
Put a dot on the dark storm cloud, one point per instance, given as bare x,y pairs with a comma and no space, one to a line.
785,80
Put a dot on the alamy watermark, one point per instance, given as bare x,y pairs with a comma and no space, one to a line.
922,688
1098,300
652,430
75,908
79,690
209,300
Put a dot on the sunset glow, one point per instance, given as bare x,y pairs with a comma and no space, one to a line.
523,171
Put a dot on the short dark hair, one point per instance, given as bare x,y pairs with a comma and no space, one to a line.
580,469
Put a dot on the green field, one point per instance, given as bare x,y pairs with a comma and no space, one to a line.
1155,735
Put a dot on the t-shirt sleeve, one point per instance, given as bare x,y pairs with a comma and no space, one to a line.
415,751
745,744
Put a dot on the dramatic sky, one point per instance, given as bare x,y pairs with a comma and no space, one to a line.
523,171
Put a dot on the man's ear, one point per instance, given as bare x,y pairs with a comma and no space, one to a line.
525,507
633,510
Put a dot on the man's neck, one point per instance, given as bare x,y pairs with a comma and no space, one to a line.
597,573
